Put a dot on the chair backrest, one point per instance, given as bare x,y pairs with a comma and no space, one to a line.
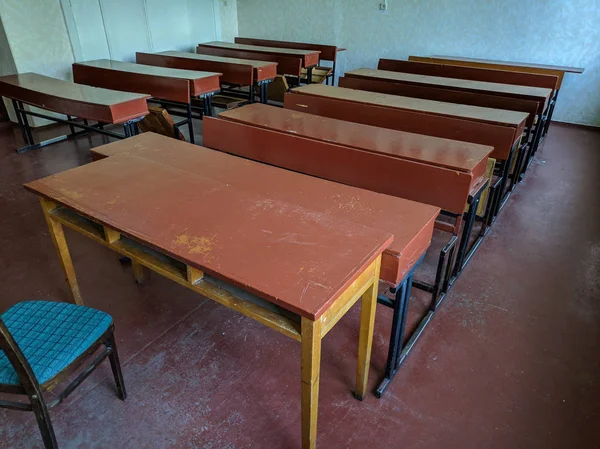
17,359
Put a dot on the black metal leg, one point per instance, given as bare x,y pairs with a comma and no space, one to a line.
127,129
21,125
190,123
309,75
42,416
251,94
464,239
26,124
116,367
71,127
208,107
333,75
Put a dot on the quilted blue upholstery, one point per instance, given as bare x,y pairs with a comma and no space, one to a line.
51,336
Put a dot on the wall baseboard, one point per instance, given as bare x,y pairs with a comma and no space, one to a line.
576,125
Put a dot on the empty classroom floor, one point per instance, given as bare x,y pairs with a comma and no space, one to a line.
510,361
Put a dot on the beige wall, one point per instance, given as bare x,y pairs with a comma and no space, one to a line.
545,31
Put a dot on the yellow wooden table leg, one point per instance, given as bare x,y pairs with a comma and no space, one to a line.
365,341
138,271
311,364
60,243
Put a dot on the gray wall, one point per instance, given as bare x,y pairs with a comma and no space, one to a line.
545,31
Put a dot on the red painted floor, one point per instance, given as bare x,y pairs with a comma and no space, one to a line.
511,360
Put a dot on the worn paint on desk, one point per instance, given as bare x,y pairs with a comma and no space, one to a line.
462,156
409,222
297,258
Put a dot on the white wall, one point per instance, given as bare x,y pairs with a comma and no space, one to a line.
545,31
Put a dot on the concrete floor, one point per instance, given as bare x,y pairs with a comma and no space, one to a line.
511,360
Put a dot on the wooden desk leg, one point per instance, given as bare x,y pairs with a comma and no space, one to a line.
60,243
311,364
138,272
365,340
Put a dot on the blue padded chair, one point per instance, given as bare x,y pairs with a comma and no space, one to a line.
41,344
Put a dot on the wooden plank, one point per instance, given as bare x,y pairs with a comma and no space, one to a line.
424,66
327,52
179,206
286,65
538,94
309,57
77,100
455,155
501,138
530,107
310,373
411,223
447,189
159,121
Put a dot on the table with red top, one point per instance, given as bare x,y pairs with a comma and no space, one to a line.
73,100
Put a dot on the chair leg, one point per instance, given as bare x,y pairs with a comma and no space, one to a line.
113,357
43,419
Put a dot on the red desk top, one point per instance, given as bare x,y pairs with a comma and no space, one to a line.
108,106
297,258
486,115
411,223
525,92
156,81
309,57
461,156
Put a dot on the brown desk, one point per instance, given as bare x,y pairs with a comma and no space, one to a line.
327,52
243,72
545,69
420,65
309,57
166,84
533,109
288,62
421,117
294,287
514,120
74,100
538,94
411,223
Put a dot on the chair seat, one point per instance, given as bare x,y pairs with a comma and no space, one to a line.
51,335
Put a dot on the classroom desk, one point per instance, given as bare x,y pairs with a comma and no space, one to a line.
411,223
387,112
297,289
544,69
289,61
171,86
301,142
327,52
77,100
538,94
533,130
243,72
